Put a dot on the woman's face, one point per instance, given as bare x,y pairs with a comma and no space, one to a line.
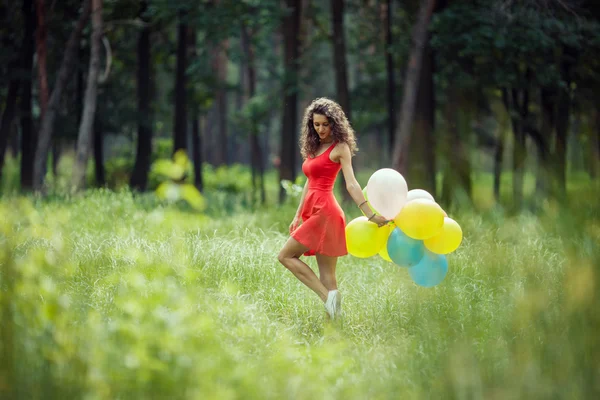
322,127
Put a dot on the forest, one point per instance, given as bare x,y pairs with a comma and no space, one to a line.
509,86
150,165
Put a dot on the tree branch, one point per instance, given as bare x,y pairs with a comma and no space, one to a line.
104,77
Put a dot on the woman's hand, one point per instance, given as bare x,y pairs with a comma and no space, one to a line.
294,224
379,220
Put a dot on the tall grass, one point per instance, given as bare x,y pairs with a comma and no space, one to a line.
113,296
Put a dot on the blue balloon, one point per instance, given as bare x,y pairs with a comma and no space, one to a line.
430,271
403,250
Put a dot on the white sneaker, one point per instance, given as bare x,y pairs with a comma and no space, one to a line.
333,305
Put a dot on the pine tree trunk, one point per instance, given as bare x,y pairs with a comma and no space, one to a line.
563,114
47,123
341,74
56,145
595,145
197,151
84,138
180,123
498,160
210,133
421,165
139,176
255,148
519,151
196,133
457,184
27,133
411,82
547,129
391,81
289,126
223,137
42,50
99,155
8,117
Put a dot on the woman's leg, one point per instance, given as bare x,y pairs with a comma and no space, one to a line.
289,257
333,304
327,271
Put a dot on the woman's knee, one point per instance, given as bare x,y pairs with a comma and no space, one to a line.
282,257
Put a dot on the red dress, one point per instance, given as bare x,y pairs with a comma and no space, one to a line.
323,228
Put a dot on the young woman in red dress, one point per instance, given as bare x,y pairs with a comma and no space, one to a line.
327,144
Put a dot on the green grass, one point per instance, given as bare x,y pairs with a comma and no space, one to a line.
113,296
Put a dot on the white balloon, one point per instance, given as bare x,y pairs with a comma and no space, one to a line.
387,191
418,194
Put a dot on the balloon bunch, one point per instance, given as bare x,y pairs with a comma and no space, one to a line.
420,236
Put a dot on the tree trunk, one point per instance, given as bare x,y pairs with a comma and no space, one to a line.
180,123
248,81
256,153
339,56
457,184
56,145
196,121
139,176
47,123
547,129
42,51
517,106
220,63
411,82
498,160
99,155
86,127
13,140
595,145
291,29
210,135
341,74
197,150
240,99
421,169
519,151
27,133
8,117
563,114
391,81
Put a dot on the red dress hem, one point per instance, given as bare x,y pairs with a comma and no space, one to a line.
310,252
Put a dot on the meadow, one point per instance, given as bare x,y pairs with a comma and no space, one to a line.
115,295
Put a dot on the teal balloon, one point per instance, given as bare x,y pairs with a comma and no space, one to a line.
430,271
403,250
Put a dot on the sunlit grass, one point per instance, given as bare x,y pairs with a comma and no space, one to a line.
109,295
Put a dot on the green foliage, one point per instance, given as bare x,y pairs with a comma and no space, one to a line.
233,179
254,115
496,45
175,186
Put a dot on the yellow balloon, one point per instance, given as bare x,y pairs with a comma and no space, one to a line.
383,252
420,219
364,238
447,240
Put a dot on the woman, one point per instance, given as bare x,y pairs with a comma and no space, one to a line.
327,144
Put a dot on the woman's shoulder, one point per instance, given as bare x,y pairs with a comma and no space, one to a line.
341,147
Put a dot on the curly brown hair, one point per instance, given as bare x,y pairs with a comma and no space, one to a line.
341,130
